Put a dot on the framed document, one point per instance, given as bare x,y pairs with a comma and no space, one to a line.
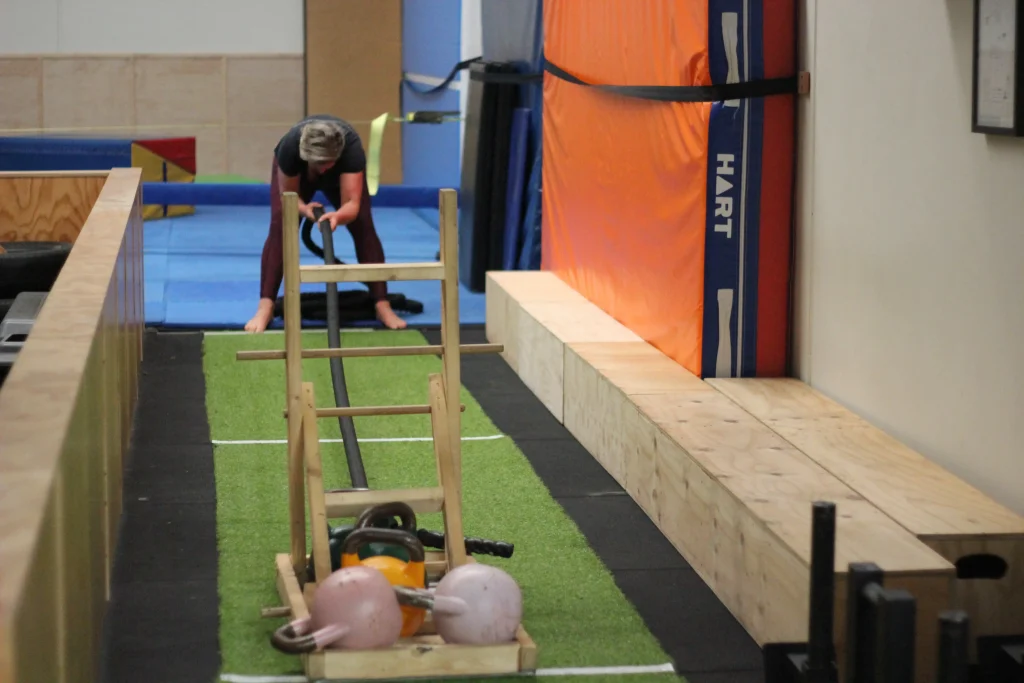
996,99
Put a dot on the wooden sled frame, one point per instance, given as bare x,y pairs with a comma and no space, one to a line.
425,654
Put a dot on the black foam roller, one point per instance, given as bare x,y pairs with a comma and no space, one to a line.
484,172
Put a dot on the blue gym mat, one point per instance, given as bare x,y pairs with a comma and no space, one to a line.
203,271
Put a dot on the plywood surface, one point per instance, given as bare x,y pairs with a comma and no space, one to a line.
533,285
507,291
637,368
731,495
922,496
354,67
954,518
64,412
770,476
572,321
46,207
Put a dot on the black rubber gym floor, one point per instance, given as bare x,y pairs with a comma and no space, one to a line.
162,625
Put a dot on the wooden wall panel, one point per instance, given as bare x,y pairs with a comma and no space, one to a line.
21,93
357,77
46,206
264,90
179,90
65,413
235,106
38,634
88,92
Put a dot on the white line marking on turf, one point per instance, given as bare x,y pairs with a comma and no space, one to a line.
608,670
401,439
568,671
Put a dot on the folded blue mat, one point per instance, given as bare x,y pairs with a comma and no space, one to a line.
202,271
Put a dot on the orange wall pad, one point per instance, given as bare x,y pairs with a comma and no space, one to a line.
673,217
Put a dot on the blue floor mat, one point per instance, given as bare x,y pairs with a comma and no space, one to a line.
203,271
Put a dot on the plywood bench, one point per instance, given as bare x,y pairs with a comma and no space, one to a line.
960,522
733,496
534,314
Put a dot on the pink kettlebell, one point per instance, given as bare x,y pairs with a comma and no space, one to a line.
473,604
355,608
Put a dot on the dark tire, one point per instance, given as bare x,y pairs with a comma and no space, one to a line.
30,266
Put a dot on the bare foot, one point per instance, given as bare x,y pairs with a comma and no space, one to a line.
387,316
264,314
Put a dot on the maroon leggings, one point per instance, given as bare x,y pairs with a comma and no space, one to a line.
364,234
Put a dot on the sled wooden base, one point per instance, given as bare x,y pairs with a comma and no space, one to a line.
423,655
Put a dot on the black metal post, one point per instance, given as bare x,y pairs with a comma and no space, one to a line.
895,635
954,647
821,657
859,626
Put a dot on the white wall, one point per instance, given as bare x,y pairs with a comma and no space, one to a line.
910,306
151,26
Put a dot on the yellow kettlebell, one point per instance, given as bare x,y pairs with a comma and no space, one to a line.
411,574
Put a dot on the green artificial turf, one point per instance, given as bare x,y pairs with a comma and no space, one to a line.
572,606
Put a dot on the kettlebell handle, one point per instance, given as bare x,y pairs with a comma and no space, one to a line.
361,536
424,599
396,509
292,639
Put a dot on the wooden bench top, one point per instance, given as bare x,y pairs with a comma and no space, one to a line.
570,321
778,483
636,367
533,285
922,496
768,476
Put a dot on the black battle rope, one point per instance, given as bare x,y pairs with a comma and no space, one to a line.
348,430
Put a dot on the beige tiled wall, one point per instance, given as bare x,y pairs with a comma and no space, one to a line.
236,106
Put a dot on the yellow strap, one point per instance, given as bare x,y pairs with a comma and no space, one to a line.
377,141
373,158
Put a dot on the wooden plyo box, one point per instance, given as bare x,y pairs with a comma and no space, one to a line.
731,493
958,521
534,314
735,499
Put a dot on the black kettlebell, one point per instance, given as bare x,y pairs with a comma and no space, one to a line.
383,516
336,539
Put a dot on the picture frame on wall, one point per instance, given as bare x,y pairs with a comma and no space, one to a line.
997,107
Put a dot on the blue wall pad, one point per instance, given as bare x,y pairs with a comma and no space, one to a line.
258,194
431,36
516,182
202,271
431,45
56,153
430,152
529,255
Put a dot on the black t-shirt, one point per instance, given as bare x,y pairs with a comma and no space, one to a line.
352,160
